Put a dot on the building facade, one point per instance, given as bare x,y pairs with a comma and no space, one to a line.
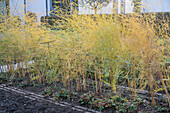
45,7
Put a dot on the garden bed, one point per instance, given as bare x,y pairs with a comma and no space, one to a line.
65,107
113,63
88,99
12,102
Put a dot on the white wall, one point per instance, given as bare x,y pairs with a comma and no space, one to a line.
156,6
128,6
108,9
16,7
147,6
36,6
84,9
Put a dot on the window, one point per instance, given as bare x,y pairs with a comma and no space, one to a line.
54,4
7,6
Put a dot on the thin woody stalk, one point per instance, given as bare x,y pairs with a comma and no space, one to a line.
96,81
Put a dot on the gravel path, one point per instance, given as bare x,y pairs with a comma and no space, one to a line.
11,102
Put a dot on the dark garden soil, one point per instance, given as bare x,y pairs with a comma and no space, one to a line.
11,102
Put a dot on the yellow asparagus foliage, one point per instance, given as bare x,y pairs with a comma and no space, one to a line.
106,49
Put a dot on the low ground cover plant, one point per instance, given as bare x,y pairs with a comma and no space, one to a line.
47,92
112,101
65,94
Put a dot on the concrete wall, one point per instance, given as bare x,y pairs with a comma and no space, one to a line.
85,9
156,6
109,9
128,6
147,6
16,7
36,6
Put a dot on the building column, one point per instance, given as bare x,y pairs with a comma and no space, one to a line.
119,7
46,7
72,6
25,7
